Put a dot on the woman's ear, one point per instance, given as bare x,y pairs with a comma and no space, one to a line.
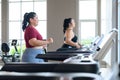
31,19
70,24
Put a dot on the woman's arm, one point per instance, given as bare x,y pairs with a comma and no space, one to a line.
35,42
69,35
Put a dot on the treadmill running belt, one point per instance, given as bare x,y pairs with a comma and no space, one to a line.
59,55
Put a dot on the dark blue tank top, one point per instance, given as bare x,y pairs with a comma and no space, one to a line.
74,39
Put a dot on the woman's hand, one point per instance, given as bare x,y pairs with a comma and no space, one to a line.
78,45
50,40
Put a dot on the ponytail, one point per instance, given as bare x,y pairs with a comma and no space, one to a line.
66,24
25,22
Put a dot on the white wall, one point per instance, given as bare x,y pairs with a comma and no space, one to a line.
57,10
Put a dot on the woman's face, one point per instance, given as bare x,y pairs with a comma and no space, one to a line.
72,23
34,21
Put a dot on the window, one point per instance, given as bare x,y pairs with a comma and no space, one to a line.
87,20
17,9
106,16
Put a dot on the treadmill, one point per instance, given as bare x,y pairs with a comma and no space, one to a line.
60,55
48,76
63,53
50,71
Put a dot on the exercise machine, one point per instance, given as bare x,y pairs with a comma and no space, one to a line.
101,49
7,56
63,53
16,55
51,71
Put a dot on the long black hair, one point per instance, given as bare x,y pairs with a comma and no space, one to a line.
66,24
26,19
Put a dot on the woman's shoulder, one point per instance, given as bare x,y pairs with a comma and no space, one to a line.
30,29
69,31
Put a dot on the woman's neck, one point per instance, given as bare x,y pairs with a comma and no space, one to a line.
70,28
32,25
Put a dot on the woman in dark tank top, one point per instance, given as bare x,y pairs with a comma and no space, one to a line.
70,39
74,39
